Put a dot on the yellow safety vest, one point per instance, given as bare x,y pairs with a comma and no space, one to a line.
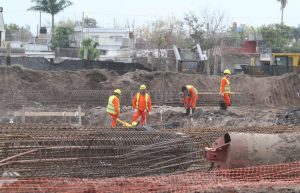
110,107
227,87
137,100
190,86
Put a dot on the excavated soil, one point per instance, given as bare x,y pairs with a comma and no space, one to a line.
274,91
266,100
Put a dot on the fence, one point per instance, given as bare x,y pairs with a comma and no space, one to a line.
40,63
269,70
39,158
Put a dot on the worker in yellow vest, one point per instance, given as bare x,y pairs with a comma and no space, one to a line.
141,104
190,98
113,107
225,89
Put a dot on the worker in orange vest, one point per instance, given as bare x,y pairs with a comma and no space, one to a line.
113,107
189,97
142,105
225,88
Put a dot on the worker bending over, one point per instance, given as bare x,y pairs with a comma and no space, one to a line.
113,107
189,97
225,88
142,105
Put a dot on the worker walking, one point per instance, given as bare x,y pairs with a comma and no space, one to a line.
142,105
225,88
113,107
189,97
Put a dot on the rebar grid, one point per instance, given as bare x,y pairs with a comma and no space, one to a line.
100,97
36,150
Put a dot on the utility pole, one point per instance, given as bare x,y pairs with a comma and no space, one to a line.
40,19
82,25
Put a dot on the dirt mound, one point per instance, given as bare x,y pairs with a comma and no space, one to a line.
270,91
16,78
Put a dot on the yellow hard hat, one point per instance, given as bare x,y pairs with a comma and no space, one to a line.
227,71
143,87
117,91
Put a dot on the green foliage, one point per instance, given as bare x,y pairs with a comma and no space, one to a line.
91,47
196,27
51,7
89,22
61,35
296,33
11,29
283,5
276,36
164,33
207,29
15,32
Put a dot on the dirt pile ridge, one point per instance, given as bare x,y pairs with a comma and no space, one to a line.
280,92
273,91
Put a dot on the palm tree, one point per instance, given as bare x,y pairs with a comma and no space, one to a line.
283,5
89,49
50,6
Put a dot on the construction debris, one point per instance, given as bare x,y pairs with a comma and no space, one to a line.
290,117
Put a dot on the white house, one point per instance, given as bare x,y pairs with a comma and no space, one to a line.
108,38
2,29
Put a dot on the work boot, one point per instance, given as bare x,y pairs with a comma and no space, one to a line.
193,110
223,105
187,112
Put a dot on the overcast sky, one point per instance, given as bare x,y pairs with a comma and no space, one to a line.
250,12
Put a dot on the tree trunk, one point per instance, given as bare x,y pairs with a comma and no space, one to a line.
216,64
52,27
281,18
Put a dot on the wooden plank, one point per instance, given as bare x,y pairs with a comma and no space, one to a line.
47,114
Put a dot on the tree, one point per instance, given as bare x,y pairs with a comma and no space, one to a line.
236,35
162,34
14,32
52,7
296,34
276,36
62,34
283,5
196,31
89,47
208,29
89,22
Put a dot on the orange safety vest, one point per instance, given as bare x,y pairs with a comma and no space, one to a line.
190,86
227,86
137,101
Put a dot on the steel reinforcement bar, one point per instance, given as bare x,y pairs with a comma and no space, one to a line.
36,150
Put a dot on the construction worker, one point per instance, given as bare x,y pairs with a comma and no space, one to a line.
142,105
189,97
113,107
225,88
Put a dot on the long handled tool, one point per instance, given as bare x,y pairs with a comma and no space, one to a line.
124,123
